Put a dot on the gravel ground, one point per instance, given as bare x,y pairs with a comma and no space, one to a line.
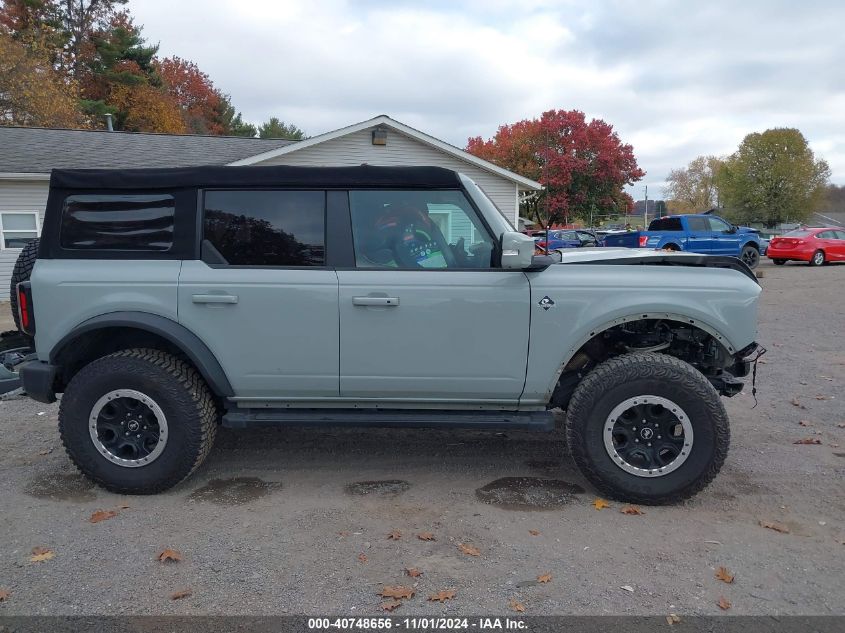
278,521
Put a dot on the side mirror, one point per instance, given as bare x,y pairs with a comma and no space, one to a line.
517,250
734,228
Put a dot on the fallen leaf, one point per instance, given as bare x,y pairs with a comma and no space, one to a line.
426,536
469,550
169,554
102,515
724,603
627,588
343,534
46,451
808,440
774,525
805,423
397,593
390,605
395,535
724,575
672,619
413,572
182,593
794,402
841,425
544,578
40,554
822,397
534,532
516,606
124,506
826,378
4,594
631,510
598,504
362,557
442,595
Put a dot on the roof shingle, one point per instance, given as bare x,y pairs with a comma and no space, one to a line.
38,150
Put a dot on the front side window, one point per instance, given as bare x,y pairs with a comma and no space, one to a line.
698,225
418,229
125,222
720,226
18,228
266,228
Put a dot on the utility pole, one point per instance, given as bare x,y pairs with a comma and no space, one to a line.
645,210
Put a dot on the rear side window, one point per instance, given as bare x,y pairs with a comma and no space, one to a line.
123,222
699,224
665,224
265,228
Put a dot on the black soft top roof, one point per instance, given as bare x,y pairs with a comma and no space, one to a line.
276,176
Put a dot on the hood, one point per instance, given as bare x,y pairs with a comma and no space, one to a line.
656,257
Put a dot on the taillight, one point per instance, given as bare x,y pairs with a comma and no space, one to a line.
26,314
643,240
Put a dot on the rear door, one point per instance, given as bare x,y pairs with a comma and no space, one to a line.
424,317
262,298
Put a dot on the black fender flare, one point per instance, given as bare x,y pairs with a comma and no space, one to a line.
180,336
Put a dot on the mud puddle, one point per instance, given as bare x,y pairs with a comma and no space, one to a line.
385,488
62,487
528,493
235,491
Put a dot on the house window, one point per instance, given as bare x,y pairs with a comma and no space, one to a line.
17,228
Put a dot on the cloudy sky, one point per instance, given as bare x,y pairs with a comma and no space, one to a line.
675,79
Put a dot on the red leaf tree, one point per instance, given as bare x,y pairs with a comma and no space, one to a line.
583,166
194,92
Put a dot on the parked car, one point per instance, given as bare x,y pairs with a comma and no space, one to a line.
696,233
555,239
816,246
167,302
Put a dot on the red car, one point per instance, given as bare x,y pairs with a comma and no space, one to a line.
815,246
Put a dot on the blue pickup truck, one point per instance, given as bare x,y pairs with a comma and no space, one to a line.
699,233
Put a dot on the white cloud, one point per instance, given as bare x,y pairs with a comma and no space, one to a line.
675,79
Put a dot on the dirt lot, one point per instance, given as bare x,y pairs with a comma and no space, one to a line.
276,521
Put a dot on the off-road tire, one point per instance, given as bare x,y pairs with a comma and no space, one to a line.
179,391
815,260
22,272
778,262
751,256
638,374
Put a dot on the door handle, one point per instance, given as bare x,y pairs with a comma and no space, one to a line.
375,301
214,298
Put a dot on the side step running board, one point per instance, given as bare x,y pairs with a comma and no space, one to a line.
240,417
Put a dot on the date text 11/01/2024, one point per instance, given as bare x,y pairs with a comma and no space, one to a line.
418,624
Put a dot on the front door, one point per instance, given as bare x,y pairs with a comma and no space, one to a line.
262,299
725,238
424,317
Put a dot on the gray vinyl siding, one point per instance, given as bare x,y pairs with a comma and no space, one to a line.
15,195
357,148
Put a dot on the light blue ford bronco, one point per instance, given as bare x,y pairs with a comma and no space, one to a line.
164,303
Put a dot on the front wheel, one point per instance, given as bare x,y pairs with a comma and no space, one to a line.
137,421
647,428
751,256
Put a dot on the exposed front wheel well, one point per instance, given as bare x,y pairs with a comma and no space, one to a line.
685,341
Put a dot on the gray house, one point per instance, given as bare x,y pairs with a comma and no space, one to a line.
28,154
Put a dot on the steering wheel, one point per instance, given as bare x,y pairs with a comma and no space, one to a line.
416,244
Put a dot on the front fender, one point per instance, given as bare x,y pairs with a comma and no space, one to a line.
588,299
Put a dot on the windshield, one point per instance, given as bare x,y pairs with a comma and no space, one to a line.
495,218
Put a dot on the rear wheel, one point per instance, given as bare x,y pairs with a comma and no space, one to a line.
751,256
137,421
22,272
817,259
647,428
778,262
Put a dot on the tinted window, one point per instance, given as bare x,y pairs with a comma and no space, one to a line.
698,224
417,229
266,228
118,222
665,224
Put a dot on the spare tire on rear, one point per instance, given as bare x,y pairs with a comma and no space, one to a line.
21,272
